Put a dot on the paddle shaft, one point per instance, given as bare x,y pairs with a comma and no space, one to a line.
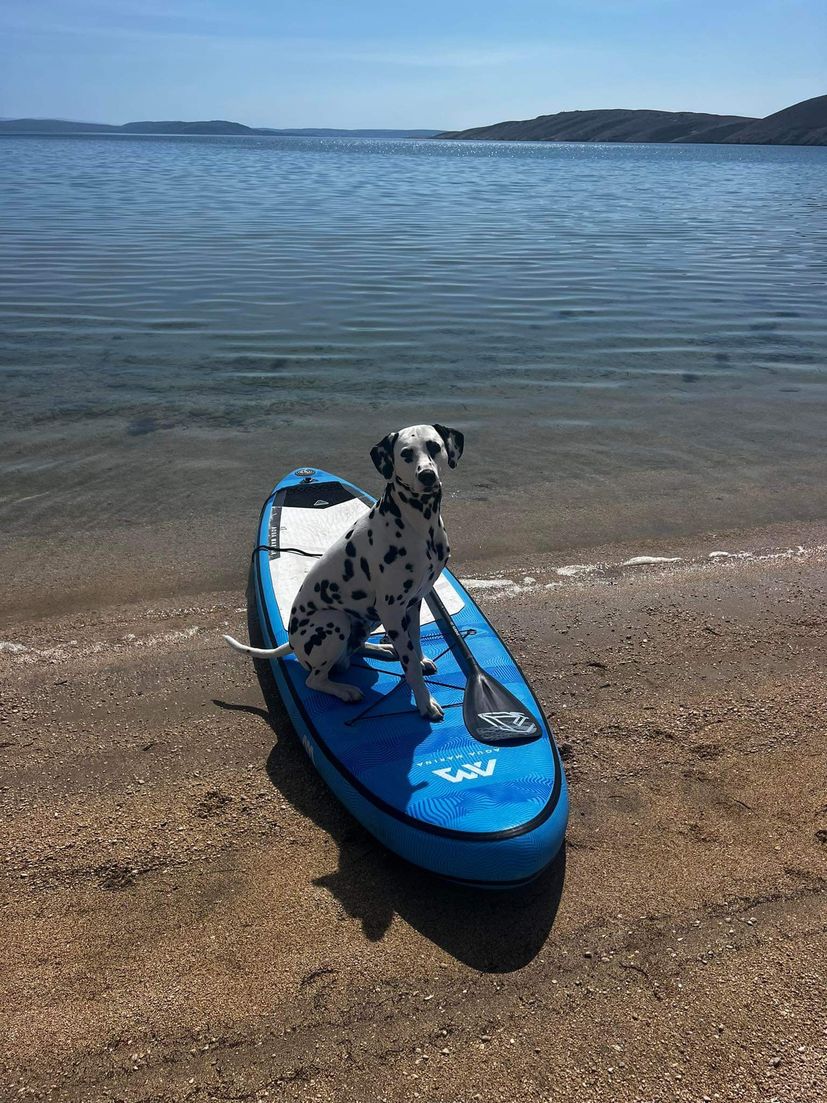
437,607
491,713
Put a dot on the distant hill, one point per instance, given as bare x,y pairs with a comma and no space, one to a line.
803,124
325,132
604,126
213,126
51,126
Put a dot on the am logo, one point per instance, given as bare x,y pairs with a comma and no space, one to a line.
468,771
518,723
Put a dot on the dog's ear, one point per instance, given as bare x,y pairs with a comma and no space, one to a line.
382,455
454,443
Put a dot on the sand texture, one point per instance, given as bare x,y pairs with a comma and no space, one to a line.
188,913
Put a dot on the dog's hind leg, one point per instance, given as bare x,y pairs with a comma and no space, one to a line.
322,645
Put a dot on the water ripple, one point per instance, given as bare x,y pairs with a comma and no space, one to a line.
664,301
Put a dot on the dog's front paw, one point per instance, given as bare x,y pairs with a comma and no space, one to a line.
348,693
432,711
428,666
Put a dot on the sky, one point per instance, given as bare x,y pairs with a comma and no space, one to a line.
440,64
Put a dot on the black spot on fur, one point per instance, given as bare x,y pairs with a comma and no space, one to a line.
319,636
330,594
363,563
347,573
388,504
382,455
358,595
454,442
350,549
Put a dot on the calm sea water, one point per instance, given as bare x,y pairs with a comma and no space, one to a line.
627,334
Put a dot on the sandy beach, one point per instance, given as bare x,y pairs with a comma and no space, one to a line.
188,914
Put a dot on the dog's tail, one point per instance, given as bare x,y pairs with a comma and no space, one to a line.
259,652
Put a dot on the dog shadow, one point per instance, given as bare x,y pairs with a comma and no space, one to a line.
494,931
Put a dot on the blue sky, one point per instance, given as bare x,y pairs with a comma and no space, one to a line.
388,63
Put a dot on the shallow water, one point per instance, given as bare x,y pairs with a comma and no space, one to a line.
637,335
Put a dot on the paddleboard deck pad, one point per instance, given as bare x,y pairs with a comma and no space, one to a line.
491,813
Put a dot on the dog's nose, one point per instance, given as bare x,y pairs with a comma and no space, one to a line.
427,478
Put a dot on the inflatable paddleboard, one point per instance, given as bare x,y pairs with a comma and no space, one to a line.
488,808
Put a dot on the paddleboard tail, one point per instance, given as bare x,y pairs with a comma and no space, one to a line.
259,652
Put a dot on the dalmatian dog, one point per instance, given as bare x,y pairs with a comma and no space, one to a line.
378,571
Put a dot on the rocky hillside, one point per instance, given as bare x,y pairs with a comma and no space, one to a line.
803,124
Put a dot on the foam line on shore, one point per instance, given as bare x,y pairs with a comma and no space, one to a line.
580,575
583,574
71,649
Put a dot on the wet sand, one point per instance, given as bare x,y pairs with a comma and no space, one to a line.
188,914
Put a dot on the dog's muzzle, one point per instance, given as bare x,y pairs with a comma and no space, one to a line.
428,479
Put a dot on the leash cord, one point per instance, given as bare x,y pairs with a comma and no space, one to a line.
298,551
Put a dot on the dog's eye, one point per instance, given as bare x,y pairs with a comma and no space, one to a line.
406,454
433,448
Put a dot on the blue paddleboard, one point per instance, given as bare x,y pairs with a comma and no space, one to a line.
489,812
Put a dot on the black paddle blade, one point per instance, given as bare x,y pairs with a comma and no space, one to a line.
493,714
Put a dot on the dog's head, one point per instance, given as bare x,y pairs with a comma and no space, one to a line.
418,456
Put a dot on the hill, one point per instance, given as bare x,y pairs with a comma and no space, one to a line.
803,124
52,126
213,126
328,132
605,126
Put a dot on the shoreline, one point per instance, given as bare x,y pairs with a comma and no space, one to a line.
87,570
494,579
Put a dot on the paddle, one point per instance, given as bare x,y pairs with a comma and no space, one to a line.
491,712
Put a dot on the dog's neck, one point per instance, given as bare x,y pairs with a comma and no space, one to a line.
421,509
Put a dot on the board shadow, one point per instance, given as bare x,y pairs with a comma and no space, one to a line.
490,930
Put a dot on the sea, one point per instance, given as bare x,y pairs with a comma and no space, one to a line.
633,339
